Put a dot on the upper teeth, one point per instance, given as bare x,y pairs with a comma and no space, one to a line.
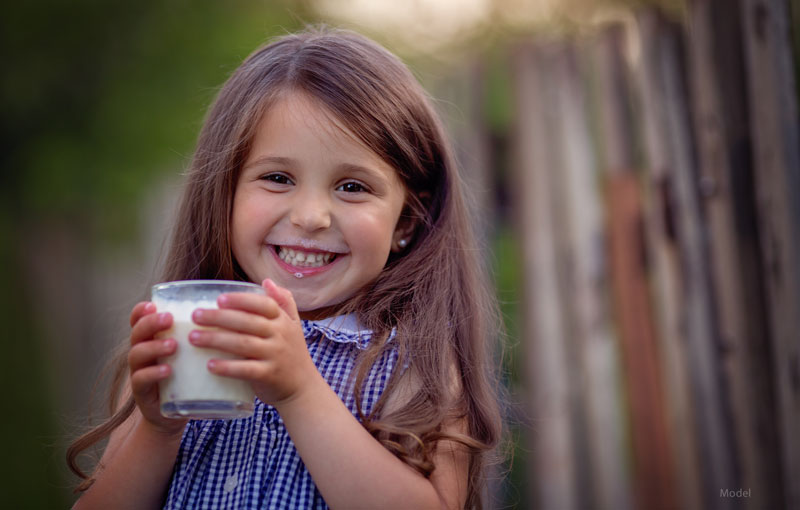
304,259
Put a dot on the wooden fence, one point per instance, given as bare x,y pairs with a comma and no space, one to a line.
656,191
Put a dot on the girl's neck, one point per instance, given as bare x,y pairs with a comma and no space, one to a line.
321,313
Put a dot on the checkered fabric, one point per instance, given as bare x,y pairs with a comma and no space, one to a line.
251,463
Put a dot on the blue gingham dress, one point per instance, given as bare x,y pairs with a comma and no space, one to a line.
251,463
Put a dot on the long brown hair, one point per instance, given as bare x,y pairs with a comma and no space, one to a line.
436,292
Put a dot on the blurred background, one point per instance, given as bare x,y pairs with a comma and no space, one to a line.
637,165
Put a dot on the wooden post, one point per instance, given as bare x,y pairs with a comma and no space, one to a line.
775,132
663,251
725,177
652,454
596,348
552,482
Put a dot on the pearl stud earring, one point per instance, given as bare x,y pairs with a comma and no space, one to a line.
402,243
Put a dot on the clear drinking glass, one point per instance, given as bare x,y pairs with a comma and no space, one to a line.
191,391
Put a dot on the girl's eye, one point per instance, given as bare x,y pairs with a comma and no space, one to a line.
351,187
276,178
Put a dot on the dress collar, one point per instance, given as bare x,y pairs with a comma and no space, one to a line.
341,328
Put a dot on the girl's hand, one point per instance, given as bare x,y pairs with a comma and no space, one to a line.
266,332
145,371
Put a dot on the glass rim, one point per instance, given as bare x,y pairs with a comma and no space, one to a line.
198,283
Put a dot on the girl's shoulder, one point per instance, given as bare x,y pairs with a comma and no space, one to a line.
409,384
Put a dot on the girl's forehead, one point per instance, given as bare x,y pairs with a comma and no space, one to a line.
293,107
299,112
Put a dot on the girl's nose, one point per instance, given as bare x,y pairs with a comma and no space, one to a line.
311,213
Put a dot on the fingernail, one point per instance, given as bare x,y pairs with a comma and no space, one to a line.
163,318
149,307
163,369
212,364
194,337
198,314
223,299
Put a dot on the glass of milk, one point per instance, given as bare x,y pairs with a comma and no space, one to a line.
191,391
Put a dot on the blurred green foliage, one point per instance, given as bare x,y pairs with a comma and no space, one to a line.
507,275
30,467
104,96
97,100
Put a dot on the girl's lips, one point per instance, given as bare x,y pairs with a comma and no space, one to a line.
305,271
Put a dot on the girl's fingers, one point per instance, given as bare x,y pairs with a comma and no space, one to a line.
243,346
143,380
251,370
283,297
147,353
140,310
252,303
147,327
233,320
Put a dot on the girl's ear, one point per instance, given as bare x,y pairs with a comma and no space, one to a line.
406,225
403,234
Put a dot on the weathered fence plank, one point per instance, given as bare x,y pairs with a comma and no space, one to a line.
725,172
713,406
775,131
552,457
663,251
596,348
652,452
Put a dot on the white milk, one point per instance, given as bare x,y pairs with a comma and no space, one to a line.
191,390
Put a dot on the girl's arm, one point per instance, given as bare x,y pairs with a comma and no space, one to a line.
137,462
135,468
353,470
350,468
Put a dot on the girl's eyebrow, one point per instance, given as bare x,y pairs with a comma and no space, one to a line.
353,168
279,160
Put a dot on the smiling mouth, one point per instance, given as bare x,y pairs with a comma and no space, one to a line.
304,258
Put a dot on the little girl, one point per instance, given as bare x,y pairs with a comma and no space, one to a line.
323,173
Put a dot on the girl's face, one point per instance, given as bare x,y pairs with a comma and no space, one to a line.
314,209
